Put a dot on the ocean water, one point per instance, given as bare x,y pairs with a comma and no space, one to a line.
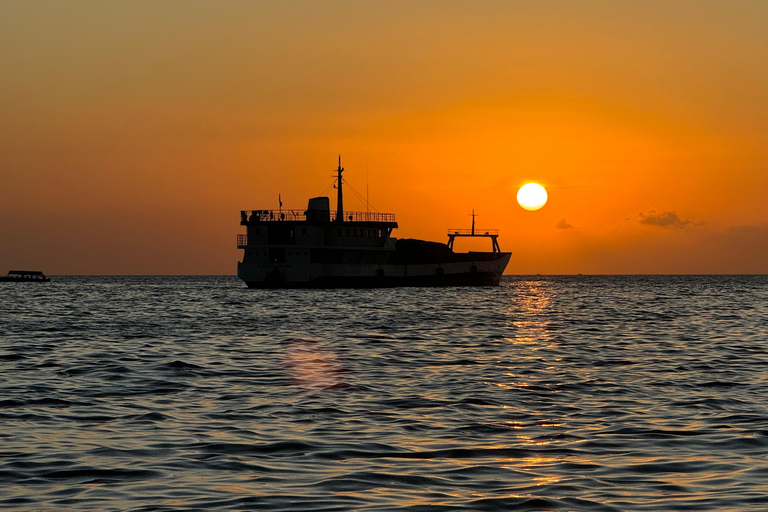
581,393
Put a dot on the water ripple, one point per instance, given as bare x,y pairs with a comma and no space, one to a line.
580,393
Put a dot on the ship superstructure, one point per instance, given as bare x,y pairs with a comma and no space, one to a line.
315,248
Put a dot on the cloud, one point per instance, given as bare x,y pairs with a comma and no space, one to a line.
664,219
562,224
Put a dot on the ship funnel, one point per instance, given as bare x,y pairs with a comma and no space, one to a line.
318,210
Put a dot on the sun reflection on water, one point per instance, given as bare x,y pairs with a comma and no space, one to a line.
532,348
527,311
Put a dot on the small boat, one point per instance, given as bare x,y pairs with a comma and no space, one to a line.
314,249
24,276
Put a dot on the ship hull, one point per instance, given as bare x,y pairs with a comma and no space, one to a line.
486,270
484,279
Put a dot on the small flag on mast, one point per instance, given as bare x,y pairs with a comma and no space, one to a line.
280,200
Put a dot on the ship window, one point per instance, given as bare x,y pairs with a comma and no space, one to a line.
347,232
338,232
303,231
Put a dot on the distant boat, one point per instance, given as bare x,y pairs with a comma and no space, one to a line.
312,249
24,276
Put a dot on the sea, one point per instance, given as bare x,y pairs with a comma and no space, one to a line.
546,393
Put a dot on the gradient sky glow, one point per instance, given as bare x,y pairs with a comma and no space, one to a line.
132,133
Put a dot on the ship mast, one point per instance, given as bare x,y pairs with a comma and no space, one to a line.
339,195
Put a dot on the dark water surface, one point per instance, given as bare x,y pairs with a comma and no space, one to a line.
548,393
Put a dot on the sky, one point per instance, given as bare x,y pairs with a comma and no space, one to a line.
132,133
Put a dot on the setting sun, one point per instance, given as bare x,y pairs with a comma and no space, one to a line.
532,196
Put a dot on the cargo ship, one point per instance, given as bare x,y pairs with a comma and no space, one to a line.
315,249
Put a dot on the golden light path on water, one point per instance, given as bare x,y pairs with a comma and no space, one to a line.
527,312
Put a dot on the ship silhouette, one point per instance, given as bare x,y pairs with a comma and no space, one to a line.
313,249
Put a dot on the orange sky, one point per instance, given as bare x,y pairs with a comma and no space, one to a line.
132,133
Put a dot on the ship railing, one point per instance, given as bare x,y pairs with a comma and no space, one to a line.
366,217
477,231
242,241
300,215
272,215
